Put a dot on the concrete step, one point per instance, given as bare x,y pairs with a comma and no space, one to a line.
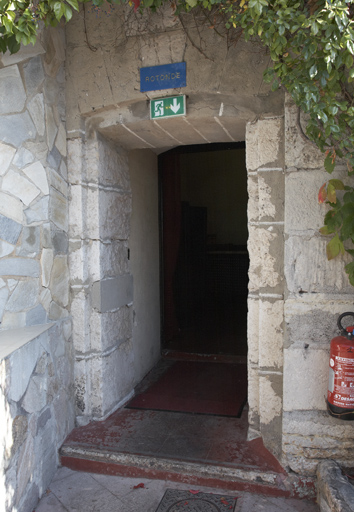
194,473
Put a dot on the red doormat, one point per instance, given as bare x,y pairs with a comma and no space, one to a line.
197,387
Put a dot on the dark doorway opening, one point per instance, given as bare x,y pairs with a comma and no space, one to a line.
204,275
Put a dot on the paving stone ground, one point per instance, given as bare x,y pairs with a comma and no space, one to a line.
72,491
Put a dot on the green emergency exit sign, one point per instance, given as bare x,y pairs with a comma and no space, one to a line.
172,106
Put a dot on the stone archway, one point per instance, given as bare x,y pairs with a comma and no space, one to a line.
102,283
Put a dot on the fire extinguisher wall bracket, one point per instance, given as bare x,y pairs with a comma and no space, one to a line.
343,330
340,397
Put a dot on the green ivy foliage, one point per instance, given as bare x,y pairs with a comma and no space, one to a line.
311,45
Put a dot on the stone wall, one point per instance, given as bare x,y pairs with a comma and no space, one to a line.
33,189
101,282
265,165
36,411
295,298
36,390
317,292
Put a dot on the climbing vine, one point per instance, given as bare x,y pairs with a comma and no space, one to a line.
311,46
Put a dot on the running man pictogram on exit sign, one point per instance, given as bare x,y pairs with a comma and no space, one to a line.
172,106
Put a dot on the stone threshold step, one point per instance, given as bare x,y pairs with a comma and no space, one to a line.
192,473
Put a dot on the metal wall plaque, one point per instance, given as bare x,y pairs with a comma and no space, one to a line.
168,76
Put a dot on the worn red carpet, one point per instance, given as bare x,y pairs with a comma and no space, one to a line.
197,387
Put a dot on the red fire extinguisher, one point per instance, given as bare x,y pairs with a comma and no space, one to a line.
340,398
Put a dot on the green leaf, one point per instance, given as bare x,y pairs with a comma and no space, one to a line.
192,3
350,271
58,10
330,162
331,194
349,61
74,4
13,45
334,247
313,71
350,46
337,184
325,230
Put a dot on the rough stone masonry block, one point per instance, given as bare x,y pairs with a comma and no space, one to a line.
82,389
253,398
22,364
92,212
113,293
79,306
305,379
271,196
308,270
271,263
12,92
253,331
76,222
6,156
24,296
270,400
110,329
114,214
113,166
59,281
271,333
317,423
78,262
312,319
253,199
302,211
59,209
16,129
114,258
255,268
298,153
9,229
75,161
118,376
264,142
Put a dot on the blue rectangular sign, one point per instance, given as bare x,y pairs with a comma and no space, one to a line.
167,76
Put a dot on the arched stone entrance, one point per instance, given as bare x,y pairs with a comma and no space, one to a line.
110,134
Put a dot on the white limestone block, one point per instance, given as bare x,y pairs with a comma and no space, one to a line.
60,141
45,298
51,126
264,144
271,334
253,331
19,186
6,155
305,379
59,209
76,223
36,109
11,207
47,259
5,248
12,92
58,182
38,175
36,395
75,160
59,281
307,268
270,399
